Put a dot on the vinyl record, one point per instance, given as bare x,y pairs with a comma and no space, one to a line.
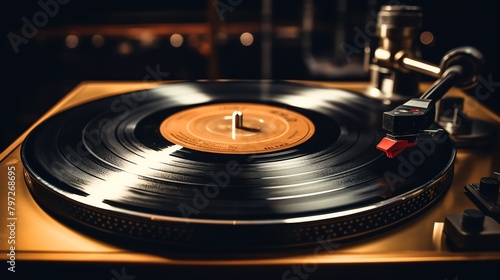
236,164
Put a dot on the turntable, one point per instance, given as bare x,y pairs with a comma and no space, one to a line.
261,179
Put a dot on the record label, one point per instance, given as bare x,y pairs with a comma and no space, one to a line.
237,128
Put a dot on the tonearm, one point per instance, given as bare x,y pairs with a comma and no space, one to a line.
396,62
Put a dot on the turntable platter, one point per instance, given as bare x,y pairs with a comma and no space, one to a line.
231,164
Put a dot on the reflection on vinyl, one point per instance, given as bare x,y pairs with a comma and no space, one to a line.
231,164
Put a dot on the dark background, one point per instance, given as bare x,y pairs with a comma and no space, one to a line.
45,69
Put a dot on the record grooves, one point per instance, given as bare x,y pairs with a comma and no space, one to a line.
108,165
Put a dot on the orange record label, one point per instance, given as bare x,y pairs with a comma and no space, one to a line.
237,128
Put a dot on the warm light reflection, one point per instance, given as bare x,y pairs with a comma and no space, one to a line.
176,40
288,32
329,215
426,38
437,235
124,48
246,39
97,41
382,54
416,64
147,39
71,41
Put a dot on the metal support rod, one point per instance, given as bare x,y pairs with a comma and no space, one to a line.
440,87
420,66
